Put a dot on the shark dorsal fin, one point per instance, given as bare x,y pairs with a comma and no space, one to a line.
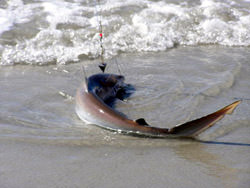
141,121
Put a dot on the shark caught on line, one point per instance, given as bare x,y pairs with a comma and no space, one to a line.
92,106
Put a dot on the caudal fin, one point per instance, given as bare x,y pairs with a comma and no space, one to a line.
195,127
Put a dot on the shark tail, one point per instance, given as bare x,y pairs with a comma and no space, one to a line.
195,127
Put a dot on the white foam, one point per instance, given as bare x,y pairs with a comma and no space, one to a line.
130,26
64,12
16,13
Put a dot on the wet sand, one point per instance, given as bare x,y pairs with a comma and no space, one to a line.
44,144
188,164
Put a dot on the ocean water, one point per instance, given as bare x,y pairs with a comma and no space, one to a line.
185,59
46,32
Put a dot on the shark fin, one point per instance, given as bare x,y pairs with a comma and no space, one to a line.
141,121
195,127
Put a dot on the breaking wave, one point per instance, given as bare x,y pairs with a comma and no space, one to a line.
44,32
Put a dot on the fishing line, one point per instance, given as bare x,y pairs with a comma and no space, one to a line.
190,94
98,12
103,65
118,67
84,72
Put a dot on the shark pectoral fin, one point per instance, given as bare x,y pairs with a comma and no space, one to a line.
141,121
195,127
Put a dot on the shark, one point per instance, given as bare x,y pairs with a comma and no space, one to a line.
93,106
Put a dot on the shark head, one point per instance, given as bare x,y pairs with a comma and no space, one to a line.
105,86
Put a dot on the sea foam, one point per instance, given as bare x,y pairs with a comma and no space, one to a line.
68,31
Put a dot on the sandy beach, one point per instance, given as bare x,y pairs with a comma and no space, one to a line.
183,164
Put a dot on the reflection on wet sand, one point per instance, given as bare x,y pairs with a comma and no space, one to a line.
212,164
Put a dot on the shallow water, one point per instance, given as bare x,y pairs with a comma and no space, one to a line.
171,87
185,59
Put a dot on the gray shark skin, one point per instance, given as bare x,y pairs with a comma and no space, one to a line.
92,108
